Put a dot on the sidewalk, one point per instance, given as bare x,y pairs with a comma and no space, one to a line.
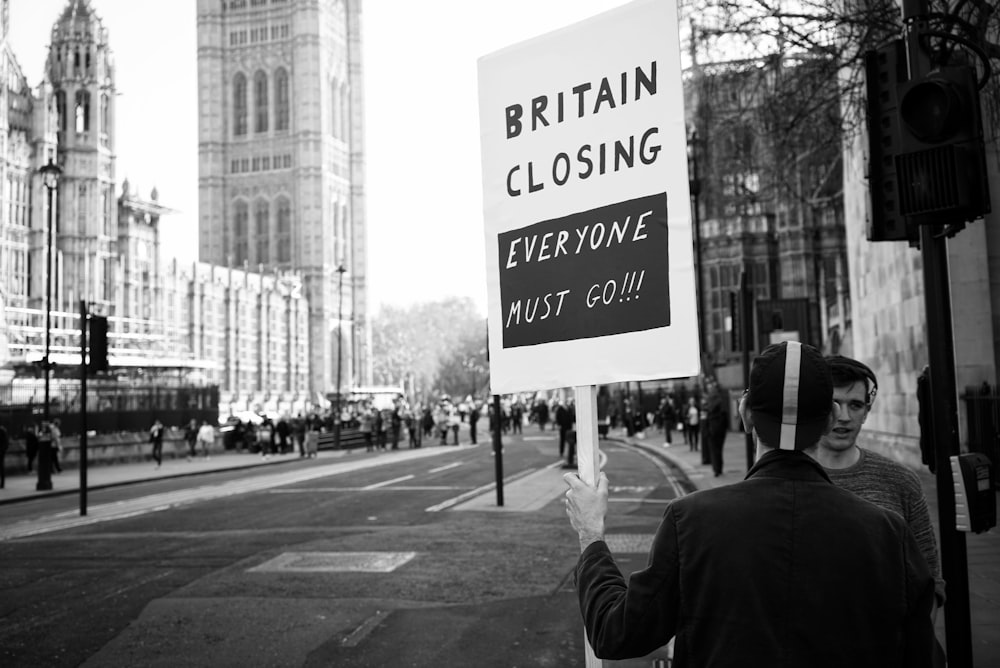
983,550
21,486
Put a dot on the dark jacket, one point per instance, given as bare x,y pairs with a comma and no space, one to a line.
783,569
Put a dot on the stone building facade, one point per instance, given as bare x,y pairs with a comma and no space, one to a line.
281,161
772,210
245,331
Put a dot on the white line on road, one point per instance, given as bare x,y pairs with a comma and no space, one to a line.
386,483
454,501
445,467
154,502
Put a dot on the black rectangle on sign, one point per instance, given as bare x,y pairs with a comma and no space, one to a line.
588,274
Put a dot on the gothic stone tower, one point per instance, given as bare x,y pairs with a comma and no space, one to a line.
281,160
81,70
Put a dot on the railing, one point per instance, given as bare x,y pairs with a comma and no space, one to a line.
982,406
110,409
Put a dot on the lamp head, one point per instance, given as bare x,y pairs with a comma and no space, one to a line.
50,174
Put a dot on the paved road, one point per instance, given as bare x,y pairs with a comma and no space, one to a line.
396,559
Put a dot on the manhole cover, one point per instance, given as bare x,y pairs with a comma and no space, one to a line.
334,562
629,542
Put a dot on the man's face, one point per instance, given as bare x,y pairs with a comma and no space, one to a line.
852,414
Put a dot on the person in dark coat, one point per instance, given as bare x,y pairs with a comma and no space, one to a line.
31,444
156,438
563,421
721,577
715,425
473,420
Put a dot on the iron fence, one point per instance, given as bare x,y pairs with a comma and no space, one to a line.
982,406
111,408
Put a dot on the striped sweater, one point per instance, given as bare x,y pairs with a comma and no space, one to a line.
892,486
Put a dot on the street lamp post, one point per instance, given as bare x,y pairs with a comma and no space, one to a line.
50,179
340,346
694,186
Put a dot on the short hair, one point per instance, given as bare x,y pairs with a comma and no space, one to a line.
847,371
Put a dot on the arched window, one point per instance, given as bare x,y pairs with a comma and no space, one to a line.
61,109
260,101
81,112
281,110
239,104
261,214
241,242
284,230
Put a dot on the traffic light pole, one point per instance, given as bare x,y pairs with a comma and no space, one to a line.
943,412
83,407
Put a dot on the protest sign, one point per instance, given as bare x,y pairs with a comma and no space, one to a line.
589,256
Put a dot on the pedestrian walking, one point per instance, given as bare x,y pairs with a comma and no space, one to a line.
473,420
668,419
395,426
299,434
562,421
156,438
206,438
367,424
55,447
312,441
265,437
721,577
31,444
284,432
191,438
692,416
715,425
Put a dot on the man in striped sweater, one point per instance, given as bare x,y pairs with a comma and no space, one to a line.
871,476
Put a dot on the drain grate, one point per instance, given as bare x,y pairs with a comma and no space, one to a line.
629,542
334,562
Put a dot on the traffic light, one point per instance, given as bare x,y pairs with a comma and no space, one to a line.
97,336
885,69
941,161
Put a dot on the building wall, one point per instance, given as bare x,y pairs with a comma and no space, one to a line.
255,326
80,69
890,319
315,164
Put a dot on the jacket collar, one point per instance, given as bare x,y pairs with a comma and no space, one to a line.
788,464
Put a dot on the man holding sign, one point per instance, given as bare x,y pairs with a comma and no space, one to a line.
782,569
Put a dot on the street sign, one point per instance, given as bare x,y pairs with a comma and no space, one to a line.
589,262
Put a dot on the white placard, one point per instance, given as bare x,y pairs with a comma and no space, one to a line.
589,258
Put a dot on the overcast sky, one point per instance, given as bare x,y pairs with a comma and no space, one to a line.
424,195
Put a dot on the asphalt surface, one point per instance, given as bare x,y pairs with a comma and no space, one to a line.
402,559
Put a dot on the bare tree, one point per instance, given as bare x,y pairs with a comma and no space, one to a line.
834,36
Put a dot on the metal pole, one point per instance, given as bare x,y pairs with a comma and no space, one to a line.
497,448
944,427
746,324
83,407
340,346
695,190
45,443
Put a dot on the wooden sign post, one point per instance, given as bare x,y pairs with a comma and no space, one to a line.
589,255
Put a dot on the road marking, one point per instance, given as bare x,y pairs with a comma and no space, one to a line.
397,488
444,505
386,483
365,628
148,504
445,467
